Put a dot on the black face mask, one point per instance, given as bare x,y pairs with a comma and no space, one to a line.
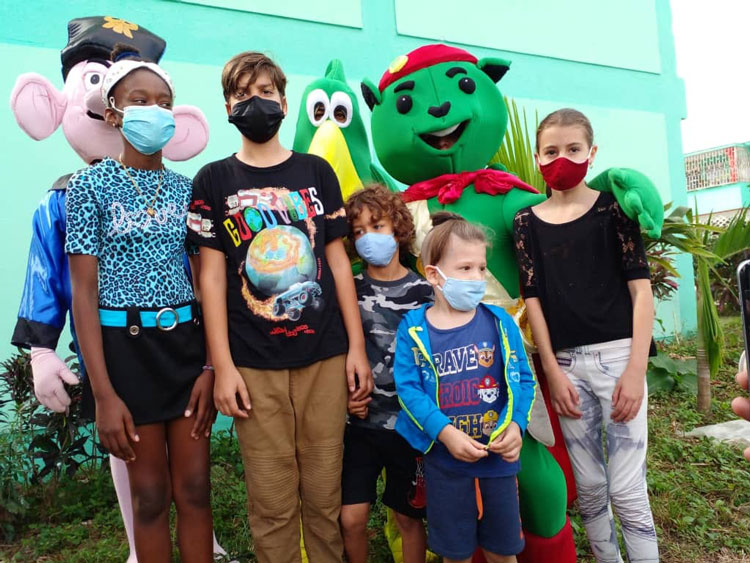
257,118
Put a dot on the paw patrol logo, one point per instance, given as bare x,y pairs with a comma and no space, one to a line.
485,354
488,389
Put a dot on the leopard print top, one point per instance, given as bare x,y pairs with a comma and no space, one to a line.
141,257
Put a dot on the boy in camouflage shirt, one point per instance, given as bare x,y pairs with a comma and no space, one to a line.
382,231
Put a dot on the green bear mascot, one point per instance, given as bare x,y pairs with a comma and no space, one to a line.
437,119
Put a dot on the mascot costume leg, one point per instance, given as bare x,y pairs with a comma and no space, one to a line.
437,119
40,108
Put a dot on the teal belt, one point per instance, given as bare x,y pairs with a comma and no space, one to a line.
166,318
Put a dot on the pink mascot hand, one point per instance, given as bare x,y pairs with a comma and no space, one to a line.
191,134
37,105
49,374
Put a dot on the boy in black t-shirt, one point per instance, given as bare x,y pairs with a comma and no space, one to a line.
281,314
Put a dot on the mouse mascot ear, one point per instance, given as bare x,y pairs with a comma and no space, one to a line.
370,93
493,67
190,136
37,105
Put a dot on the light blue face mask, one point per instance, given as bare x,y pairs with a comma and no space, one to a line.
147,128
462,295
376,249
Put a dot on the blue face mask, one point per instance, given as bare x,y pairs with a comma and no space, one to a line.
147,128
462,295
376,249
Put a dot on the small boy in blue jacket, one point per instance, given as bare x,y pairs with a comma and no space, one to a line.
466,391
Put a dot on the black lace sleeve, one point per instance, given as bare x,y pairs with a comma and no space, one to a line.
634,261
522,238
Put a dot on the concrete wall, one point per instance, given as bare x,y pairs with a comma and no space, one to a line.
720,198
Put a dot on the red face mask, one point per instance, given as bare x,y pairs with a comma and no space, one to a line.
563,174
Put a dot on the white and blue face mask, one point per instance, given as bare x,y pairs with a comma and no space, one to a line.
376,249
462,295
147,128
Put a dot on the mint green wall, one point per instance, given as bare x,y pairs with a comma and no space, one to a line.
595,32
335,12
636,114
720,198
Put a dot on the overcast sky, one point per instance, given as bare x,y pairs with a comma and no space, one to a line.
711,40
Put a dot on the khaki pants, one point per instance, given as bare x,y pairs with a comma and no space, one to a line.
292,447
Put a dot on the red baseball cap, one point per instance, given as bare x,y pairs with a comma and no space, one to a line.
420,58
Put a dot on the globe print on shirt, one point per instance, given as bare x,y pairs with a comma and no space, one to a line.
280,263
273,225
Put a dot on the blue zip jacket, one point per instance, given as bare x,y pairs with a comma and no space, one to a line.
421,420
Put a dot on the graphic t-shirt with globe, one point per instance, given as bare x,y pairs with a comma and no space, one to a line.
273,224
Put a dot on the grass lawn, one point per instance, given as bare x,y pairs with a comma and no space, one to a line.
700,492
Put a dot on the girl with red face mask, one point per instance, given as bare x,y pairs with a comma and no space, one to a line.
585,279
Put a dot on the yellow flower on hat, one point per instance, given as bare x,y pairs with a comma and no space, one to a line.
120,26
398,63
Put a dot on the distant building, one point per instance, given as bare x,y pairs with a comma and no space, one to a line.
718,181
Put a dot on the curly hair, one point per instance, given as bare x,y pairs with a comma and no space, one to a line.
381,202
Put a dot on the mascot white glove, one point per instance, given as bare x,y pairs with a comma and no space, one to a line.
49,374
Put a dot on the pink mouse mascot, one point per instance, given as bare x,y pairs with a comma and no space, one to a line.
40,108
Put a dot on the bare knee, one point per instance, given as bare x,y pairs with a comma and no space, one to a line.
496,558
354,519
406,524
150,502
192,491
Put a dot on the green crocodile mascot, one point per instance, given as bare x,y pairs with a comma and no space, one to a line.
437,119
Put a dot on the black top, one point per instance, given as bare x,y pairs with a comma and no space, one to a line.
273,225
579,271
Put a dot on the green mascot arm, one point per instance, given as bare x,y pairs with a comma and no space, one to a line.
515,200
636,194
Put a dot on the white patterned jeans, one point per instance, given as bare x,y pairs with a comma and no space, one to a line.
621,479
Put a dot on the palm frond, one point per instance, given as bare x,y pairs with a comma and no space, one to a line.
735,237
665,263
708,319
516,152
718,277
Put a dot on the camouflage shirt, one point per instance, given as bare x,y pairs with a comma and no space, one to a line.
381,305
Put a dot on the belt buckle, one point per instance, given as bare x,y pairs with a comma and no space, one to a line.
174,323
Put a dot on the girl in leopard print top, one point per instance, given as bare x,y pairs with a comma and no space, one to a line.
137,322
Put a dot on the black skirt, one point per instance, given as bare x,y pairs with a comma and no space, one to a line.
152,372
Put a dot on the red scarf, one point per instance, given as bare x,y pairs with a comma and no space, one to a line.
449,187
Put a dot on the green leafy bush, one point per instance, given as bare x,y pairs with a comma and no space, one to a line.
37,445
666,374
